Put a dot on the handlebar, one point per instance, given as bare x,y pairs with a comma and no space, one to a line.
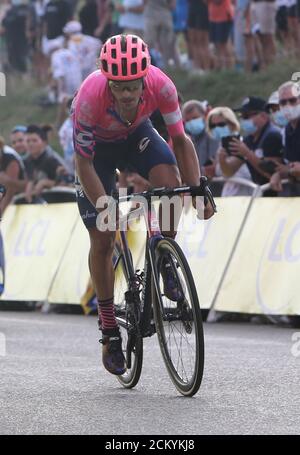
200,190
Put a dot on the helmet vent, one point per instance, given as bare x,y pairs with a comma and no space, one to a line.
144,63
133,68
134,52
114,53
123,44
114,69
113,41
104,65
124,66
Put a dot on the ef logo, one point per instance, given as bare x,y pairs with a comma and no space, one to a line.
296,346
2,84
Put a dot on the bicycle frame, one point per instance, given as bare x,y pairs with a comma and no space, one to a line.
153,236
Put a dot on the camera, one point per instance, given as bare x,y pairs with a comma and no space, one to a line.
226,142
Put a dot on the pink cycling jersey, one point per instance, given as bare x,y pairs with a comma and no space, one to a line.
96,120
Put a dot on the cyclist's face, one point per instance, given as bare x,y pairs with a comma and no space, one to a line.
35,144
127,93
18,142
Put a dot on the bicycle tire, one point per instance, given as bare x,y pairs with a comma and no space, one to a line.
132,375
170,318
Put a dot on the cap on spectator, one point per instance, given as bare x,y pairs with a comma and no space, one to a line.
274,99
19,129
252,104
72,27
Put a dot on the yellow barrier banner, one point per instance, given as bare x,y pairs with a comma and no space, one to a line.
72,276
72,281
35,238
263,276
208,244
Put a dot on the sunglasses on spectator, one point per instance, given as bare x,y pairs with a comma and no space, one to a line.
247,115
286,101
214,125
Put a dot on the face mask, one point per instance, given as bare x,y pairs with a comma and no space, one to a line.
291,112
248,127
279,119
195,126
221,131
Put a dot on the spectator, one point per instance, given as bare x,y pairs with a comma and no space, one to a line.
283,28
4,7
35,31
221,14
131,18
198,34
15,30
18,140
275,113
11,172
262,148
289,101
263,13
67,75
85,48
222,125
159,32
193,114
57,14
105,24
41,166
66,141
293,12
88,16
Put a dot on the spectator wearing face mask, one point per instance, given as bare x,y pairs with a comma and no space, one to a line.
193,113
262,146
276,115
289,101
223,126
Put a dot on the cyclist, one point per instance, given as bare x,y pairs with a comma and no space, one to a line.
112,129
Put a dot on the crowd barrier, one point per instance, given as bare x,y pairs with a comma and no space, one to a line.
244,260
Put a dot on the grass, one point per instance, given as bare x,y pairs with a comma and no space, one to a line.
219,88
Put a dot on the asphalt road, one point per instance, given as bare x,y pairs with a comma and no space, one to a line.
52,382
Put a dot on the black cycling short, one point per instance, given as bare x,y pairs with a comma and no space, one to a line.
198,15
140,152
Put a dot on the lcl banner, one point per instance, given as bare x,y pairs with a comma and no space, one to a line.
263,276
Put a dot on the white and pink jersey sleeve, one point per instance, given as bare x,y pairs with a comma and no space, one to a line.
96,120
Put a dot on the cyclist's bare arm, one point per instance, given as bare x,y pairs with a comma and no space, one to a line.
89,179
187,159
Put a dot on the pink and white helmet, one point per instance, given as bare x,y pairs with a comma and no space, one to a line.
124,58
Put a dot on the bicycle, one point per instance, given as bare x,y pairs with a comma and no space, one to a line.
178,323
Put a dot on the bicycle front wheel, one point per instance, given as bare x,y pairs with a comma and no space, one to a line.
178,321
132,342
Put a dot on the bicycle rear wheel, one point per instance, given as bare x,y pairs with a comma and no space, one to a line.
178,323
132,342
